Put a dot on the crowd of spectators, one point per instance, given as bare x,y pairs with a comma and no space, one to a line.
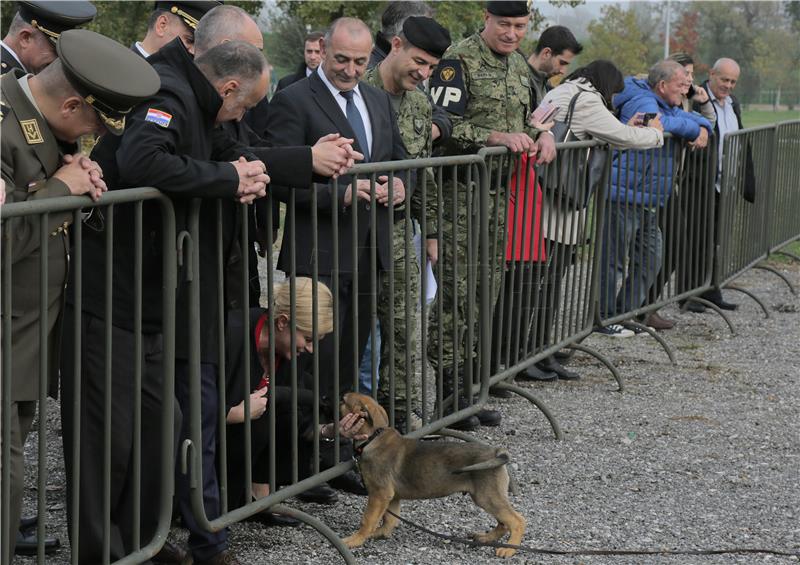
205,132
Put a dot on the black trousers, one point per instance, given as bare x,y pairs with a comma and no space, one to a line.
90,437
202,544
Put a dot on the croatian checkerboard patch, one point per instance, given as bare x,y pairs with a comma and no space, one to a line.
158,117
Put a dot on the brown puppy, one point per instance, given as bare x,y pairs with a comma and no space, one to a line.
396,468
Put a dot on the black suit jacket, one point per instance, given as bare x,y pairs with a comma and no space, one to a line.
296,76
300,115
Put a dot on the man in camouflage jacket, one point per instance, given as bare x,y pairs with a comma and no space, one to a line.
414,54
484,82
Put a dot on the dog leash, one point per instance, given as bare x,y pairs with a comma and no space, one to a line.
528,549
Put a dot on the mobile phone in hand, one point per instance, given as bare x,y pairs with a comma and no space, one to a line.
648,116
544,112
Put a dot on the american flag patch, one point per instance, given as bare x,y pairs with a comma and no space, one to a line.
158,117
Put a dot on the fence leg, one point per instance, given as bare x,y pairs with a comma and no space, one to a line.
777,272
513,486
603,359
655,336
751,295
717,309
318,525
536,402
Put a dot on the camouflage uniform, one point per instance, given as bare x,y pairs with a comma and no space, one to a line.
484,92
397,306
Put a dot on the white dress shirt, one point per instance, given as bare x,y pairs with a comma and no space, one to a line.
726,123
358,100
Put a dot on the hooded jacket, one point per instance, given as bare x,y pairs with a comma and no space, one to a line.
646,177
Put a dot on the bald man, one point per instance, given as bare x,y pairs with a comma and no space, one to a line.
722,79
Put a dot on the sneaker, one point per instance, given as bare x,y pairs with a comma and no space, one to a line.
614,330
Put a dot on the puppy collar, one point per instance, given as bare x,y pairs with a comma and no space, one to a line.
359,449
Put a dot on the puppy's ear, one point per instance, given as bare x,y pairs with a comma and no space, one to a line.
377,415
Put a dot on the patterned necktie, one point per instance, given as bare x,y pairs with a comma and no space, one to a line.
354,117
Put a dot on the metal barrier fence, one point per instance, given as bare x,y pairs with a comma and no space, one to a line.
528,274
656,243
93,386
784,196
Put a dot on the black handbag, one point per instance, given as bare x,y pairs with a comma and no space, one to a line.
575,177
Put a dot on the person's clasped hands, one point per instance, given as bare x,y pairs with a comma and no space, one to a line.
253,180
82,176
333,155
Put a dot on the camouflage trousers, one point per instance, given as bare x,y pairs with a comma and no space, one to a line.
454,322
398,301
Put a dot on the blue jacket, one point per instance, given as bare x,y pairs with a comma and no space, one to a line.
645,177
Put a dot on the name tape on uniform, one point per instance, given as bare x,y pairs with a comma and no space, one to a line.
158,117
447,87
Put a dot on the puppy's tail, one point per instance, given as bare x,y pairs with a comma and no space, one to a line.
500,458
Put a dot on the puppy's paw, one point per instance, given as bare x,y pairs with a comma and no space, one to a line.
505,552
382,533
355,540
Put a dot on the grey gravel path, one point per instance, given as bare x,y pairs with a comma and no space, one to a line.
702,455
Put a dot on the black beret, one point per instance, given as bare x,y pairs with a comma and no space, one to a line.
51,18
427,34
111,78
509,9
190,11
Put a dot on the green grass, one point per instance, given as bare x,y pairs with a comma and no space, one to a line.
754,118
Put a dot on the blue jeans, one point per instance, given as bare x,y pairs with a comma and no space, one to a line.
630,235
365,369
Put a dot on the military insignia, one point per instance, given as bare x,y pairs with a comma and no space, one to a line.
447,74
3,65
419,125
447,87
31,130
158,117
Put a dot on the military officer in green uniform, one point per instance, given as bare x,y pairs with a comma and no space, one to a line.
484,82
30,44
414,54
88,89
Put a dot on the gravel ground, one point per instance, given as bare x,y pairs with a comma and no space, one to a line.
702,455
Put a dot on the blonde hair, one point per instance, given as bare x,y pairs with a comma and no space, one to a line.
304,305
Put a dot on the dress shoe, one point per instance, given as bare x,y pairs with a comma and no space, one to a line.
658,323
726,305
535,374
268,519
320,494
349,482
489,417
466,425
225,557
27,543
692,306
170,553
715,297
549,364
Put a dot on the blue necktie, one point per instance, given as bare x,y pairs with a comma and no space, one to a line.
354,117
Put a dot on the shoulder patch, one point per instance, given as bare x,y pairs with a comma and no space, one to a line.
158,117
31,130
447,86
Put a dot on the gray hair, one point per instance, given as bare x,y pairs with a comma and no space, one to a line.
17,25
353,26
663,70
218,24
232,60
396,13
